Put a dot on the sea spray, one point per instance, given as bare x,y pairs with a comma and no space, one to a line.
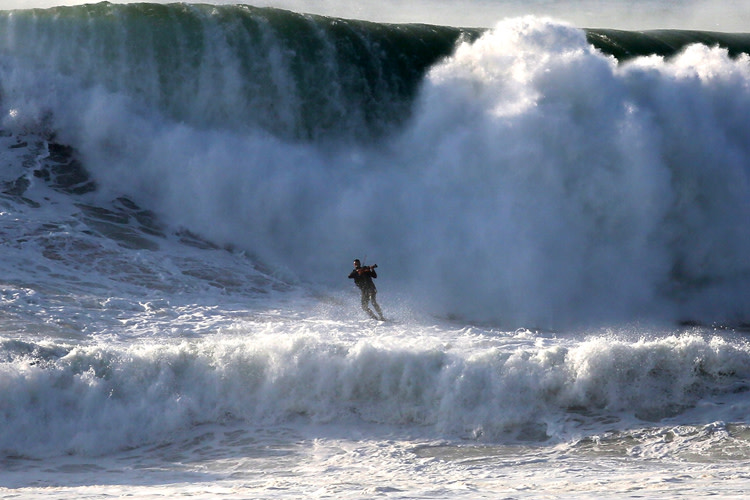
552,168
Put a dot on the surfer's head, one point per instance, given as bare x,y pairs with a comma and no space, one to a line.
357,264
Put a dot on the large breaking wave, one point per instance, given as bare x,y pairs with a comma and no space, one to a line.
518,174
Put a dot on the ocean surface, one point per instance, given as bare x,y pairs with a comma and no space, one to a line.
560,218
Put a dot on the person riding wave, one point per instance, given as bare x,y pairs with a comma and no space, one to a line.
363,277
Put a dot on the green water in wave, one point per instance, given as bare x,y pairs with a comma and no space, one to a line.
296,76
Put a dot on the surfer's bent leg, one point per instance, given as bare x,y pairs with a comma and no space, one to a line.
365,300
376,305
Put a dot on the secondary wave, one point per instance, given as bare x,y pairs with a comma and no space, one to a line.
99,399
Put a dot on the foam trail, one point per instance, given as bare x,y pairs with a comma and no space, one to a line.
533,180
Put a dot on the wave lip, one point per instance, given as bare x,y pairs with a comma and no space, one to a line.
626,45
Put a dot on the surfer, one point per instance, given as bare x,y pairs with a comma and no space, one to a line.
362,277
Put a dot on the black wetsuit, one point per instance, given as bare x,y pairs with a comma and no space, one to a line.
363,279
